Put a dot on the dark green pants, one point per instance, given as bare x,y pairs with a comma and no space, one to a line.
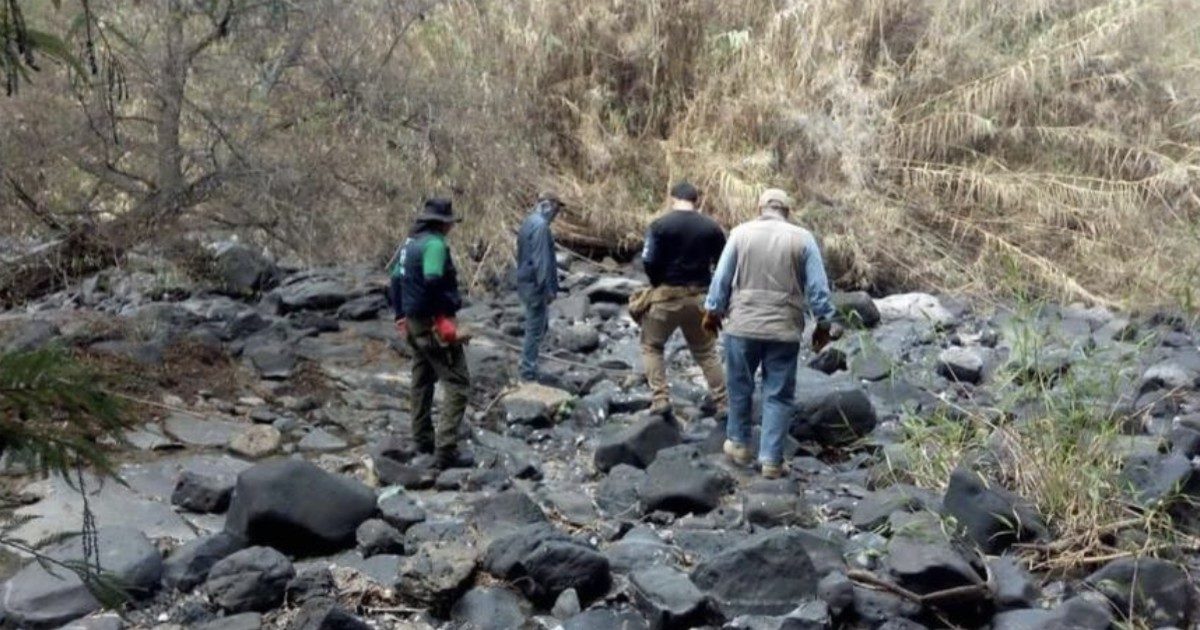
433,362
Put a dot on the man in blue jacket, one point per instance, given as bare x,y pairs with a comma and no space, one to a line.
537,278
425,298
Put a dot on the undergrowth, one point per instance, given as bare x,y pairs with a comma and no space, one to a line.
1059,440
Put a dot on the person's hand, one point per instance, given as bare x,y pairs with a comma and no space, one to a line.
712,323
402,327
825,333
446,329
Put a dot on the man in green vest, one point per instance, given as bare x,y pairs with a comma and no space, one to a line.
425,299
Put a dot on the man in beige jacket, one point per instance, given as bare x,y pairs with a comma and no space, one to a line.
767,270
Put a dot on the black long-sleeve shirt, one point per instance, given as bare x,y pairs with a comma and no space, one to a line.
682,249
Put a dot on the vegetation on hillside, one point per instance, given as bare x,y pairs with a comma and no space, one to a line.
986,147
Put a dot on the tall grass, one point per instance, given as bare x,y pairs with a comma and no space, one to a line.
934,138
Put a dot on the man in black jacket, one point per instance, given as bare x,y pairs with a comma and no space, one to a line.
425,298
682,248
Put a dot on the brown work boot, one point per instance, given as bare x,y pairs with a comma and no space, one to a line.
738,453
774,471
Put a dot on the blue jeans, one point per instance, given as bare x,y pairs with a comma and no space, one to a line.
537,321
743,357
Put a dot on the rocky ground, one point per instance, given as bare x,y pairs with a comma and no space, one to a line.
270,481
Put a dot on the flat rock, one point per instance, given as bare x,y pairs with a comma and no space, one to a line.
534,404
963,365
504,512
919,307
765,574
321,441
685,484
436,576
39,597
203,432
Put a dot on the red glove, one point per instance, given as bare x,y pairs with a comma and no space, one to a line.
445,328
402,328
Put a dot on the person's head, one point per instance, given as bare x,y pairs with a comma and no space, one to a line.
685,196
549,204
438,215
775,201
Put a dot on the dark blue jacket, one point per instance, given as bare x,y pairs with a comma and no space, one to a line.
424,281
537,267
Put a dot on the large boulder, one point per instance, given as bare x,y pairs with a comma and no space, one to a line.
545,562
296,507
637,444
311,292
669,599
251,580
617,494
833,415
682,481
45,596
991,516
203,492
1148,589
917,307
187,567
765,574
243,271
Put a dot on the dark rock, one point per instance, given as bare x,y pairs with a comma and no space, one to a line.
203,492
1148,589
242,271
310,583
253,579
38,597
417,474
991,516
187,567
362,308
580,339
829,361
488,608
545,562
876,607
194,430
1153,479
1185,436
833,415
765,574
778,510
636,445
29,335
872,511
505,512
376,536
856,308
617,494
1077,613
963,365
296,507
641,548
567,605
534,405
606,619
436,576
669,599
274,360
325,614
434,532
629,403
925,568
615,290
311,293
1012,586
400,511
837,591
683,484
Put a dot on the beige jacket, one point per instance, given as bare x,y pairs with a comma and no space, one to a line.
767,270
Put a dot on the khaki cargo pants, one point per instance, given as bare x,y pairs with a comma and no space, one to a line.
679,308
433,362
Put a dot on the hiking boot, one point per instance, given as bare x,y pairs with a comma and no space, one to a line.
424,448
738,453
773,471
454,458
